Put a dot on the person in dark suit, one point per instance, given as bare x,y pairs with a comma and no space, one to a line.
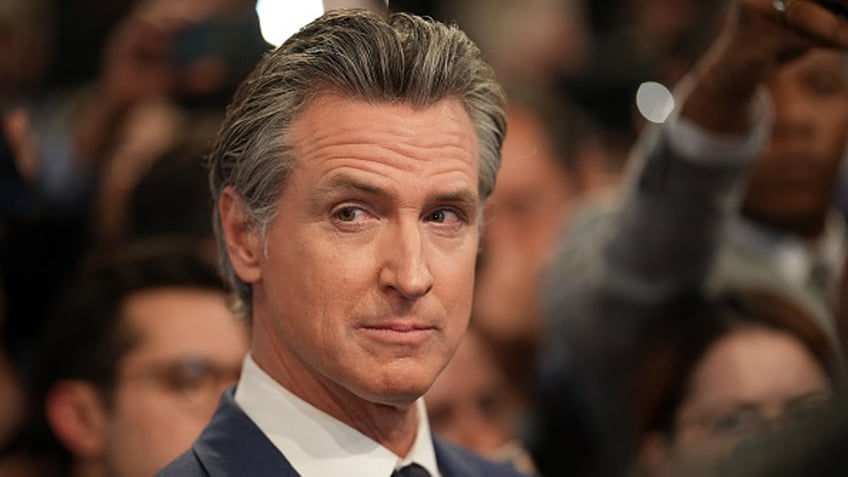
350,175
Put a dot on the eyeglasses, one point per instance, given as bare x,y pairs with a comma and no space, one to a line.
748,419
194,382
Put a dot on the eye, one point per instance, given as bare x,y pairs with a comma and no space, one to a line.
443,216
739,422
348,214
807,409
351,218
189,377
824,83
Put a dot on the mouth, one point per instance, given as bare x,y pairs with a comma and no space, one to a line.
401,332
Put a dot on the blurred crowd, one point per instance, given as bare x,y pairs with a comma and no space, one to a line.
586,356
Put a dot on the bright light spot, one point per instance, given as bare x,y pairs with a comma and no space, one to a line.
280,19
654,101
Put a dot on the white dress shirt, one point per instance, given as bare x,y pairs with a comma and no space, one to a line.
317,444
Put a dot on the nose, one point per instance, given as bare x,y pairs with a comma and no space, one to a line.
405,268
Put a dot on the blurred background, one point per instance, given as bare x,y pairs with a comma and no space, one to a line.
108,107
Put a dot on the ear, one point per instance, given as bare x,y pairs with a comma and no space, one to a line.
78,417
244,244
655,454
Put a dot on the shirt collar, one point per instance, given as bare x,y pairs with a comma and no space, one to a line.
317,444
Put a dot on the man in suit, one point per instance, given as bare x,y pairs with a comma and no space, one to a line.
618,267
350,175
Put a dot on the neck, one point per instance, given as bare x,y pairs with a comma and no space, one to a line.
392,425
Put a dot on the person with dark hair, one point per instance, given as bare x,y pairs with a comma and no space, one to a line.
771,88
717,372
349,176
542,175
133,361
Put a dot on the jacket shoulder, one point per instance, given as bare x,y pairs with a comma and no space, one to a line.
186,465
455,461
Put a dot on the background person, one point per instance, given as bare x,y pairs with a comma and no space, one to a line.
133,362
722,371
668,231
468,405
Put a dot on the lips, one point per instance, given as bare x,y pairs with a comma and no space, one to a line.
399,331
399,326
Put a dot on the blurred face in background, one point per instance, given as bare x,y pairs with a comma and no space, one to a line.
465,403
190,348
752,381
522,219
792,183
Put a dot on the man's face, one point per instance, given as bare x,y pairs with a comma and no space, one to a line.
365,281
190,347
793,180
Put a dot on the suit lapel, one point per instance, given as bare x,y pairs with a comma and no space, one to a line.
232,445
451,463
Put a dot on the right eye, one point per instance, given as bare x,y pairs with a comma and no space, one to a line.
348,214
189,377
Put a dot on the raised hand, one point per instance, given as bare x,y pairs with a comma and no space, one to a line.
758,37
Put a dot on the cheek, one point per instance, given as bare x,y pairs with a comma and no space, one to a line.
455,278
834,142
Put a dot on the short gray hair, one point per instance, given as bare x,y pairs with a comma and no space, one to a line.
401,58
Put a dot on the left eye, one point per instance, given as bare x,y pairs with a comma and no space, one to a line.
441,216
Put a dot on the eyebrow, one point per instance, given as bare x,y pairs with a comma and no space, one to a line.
346,183
342,183
458,197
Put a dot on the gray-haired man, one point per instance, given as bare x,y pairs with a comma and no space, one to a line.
349,177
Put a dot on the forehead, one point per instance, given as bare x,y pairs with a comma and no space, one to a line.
753,365
181,321
332,128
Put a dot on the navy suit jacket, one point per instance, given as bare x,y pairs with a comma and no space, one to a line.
232,445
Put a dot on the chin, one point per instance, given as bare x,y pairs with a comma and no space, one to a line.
398,389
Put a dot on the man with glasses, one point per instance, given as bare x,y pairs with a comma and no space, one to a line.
135,361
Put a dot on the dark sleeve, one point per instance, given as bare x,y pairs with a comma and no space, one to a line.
617,265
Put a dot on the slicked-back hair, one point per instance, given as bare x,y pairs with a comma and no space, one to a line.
360,55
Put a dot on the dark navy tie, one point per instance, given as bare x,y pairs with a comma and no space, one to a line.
411,470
